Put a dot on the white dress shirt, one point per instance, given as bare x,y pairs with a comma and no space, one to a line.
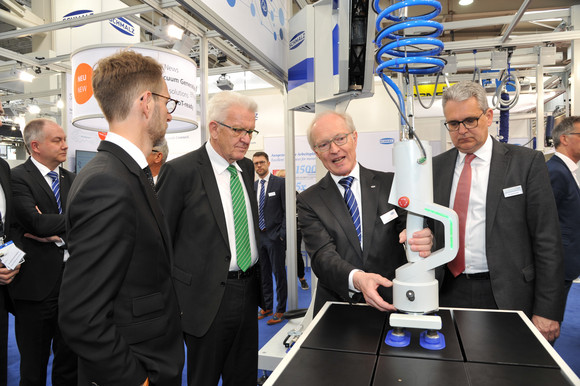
222,176
475,256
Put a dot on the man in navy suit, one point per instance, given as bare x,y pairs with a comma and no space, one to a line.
562,168
272,223
40,190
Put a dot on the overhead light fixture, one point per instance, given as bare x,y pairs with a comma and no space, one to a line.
465,2
224,83
33,109
60,103
174,31
25,76
184,45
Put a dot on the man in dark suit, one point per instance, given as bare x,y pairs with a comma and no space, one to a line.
512,248
6,275
353,264
271,196
562,168
119,310
40,189
213,220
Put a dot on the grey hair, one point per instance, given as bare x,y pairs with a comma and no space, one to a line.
345,117
162,147
464,90
220,103
34,131
564,127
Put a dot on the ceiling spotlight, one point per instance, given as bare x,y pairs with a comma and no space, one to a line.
465,2
224,83
25,76
37,70
174,31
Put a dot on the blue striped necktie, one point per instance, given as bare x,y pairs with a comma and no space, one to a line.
261,220
55,188
350,200
243,252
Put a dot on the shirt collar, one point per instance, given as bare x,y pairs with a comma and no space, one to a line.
573,166
355,172
218,162
131,149
267,178
42,168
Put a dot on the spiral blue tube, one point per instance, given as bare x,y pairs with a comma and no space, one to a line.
417,57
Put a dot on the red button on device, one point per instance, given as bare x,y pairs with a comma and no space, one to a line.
404,202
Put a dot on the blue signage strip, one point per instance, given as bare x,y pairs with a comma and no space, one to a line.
301,73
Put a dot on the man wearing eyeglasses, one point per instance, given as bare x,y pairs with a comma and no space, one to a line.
510,253
209,202
118,307
563,167
351,233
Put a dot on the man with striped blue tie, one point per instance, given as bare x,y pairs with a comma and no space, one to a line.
351,233
40,189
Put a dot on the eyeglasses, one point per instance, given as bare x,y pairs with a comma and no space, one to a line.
469,123
238,132
573,134
171,103
339,140
258,163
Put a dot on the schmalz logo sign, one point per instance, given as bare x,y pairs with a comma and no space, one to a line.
387,141
297,39
123,25
77,15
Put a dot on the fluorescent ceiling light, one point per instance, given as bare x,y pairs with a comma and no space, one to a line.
25,76
465,2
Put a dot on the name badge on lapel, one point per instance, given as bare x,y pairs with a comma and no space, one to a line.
271,194
513,191
389,216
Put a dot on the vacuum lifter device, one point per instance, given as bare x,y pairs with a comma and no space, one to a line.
415,289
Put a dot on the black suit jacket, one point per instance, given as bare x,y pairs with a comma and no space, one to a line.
6,183
43,266
331,240
190,199
567,195
522,237
274,207
118,309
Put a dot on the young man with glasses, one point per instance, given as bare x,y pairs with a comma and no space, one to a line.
208,200
118,308
351,233
510,251
563,169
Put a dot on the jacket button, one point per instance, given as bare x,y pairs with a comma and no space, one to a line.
223,283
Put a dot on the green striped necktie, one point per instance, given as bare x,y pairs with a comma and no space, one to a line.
240,220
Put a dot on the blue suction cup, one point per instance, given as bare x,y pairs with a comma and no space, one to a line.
400,338
433,340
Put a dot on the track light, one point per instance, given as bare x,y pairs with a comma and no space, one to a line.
59,103
33,109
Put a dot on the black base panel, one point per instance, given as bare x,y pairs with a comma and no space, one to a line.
451,352
348,328
332,368
419,372
500,337
484,374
